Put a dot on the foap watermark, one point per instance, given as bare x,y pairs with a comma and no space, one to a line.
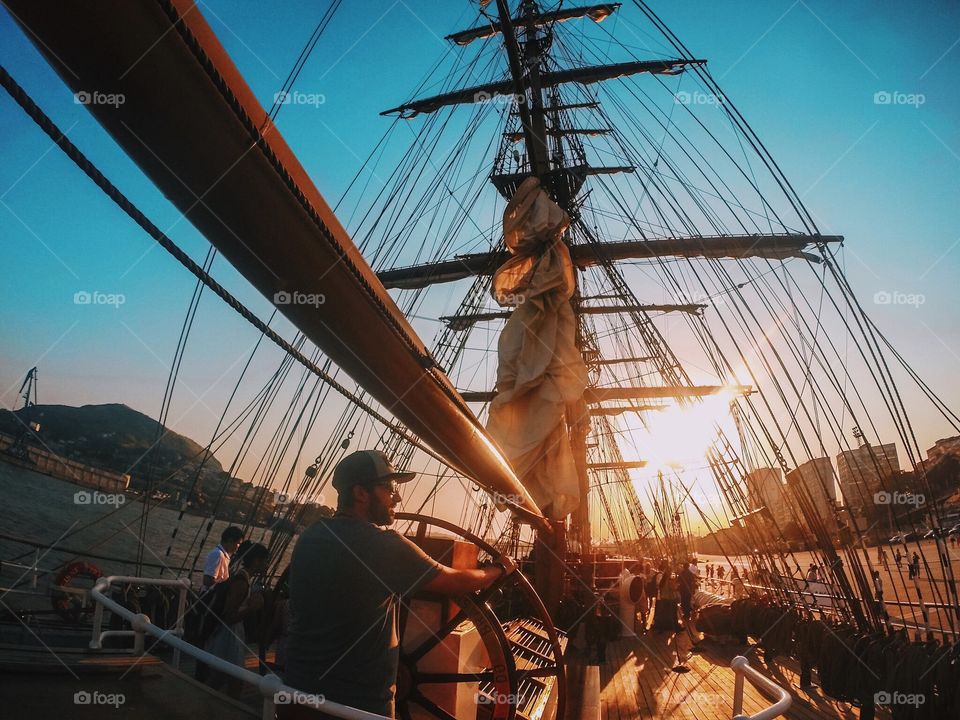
507,498
298,298
295,97
898,698
95,697
885,297
281,498
674,696
95,97
894,97
84,297
298,698
503,98
85,497
899,498
496,697
698,98
511,299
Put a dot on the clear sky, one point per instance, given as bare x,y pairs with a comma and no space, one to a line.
856,100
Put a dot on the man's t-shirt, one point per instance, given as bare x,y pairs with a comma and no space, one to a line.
217,565
345,575
688,581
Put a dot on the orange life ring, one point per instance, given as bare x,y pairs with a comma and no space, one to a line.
65,604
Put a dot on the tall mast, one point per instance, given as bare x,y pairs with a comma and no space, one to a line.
534,131
534,85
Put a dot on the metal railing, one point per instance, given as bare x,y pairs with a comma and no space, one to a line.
743,671
270,686
103,585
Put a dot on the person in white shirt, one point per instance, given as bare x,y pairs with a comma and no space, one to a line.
217,567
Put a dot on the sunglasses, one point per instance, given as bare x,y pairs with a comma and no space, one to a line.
389,485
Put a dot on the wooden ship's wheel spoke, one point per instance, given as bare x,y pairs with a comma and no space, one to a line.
522,659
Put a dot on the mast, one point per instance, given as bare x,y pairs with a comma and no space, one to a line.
555,156
531,117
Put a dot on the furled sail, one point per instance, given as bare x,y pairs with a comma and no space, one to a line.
597,13
211,148
541,372
581,75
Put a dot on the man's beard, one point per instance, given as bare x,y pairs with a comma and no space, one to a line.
380,512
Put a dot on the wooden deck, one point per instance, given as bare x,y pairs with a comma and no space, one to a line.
638,681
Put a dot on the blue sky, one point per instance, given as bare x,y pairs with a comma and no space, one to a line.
805,74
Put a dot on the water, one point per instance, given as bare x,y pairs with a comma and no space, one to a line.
42,509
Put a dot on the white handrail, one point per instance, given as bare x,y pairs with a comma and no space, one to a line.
99,635
270,686
741,668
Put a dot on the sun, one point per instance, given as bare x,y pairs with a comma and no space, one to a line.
679,437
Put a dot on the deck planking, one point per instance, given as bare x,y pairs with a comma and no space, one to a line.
637,681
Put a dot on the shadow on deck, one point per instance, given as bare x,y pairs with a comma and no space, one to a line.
637,680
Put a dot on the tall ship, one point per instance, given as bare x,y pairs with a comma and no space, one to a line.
644,356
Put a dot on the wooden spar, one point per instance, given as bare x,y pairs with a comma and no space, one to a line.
581,75
462,322
195,128
596,395
482,32
624,409
720,246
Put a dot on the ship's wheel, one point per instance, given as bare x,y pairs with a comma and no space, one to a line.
513,670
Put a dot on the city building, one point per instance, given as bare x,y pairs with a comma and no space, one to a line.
766,489
944,447
815,480
864,471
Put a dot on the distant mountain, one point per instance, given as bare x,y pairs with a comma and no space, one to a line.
114,437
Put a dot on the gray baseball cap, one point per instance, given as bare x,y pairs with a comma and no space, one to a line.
367,467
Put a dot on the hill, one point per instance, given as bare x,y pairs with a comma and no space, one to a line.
114,437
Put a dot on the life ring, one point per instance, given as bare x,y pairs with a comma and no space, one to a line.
67,605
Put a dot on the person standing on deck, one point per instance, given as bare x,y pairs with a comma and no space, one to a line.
898,558
914,566
346,574
687,581
878,593
217,567
228,639
665,613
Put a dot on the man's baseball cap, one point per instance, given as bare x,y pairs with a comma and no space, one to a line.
367,467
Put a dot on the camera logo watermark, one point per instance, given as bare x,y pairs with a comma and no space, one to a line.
84,497
698,98
298,698
503,98
670,696
95,97
83,297
899,498
84,697
886,97
883,297
282,498
295,97
507,498
496,698
298,298
511,299
898,698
